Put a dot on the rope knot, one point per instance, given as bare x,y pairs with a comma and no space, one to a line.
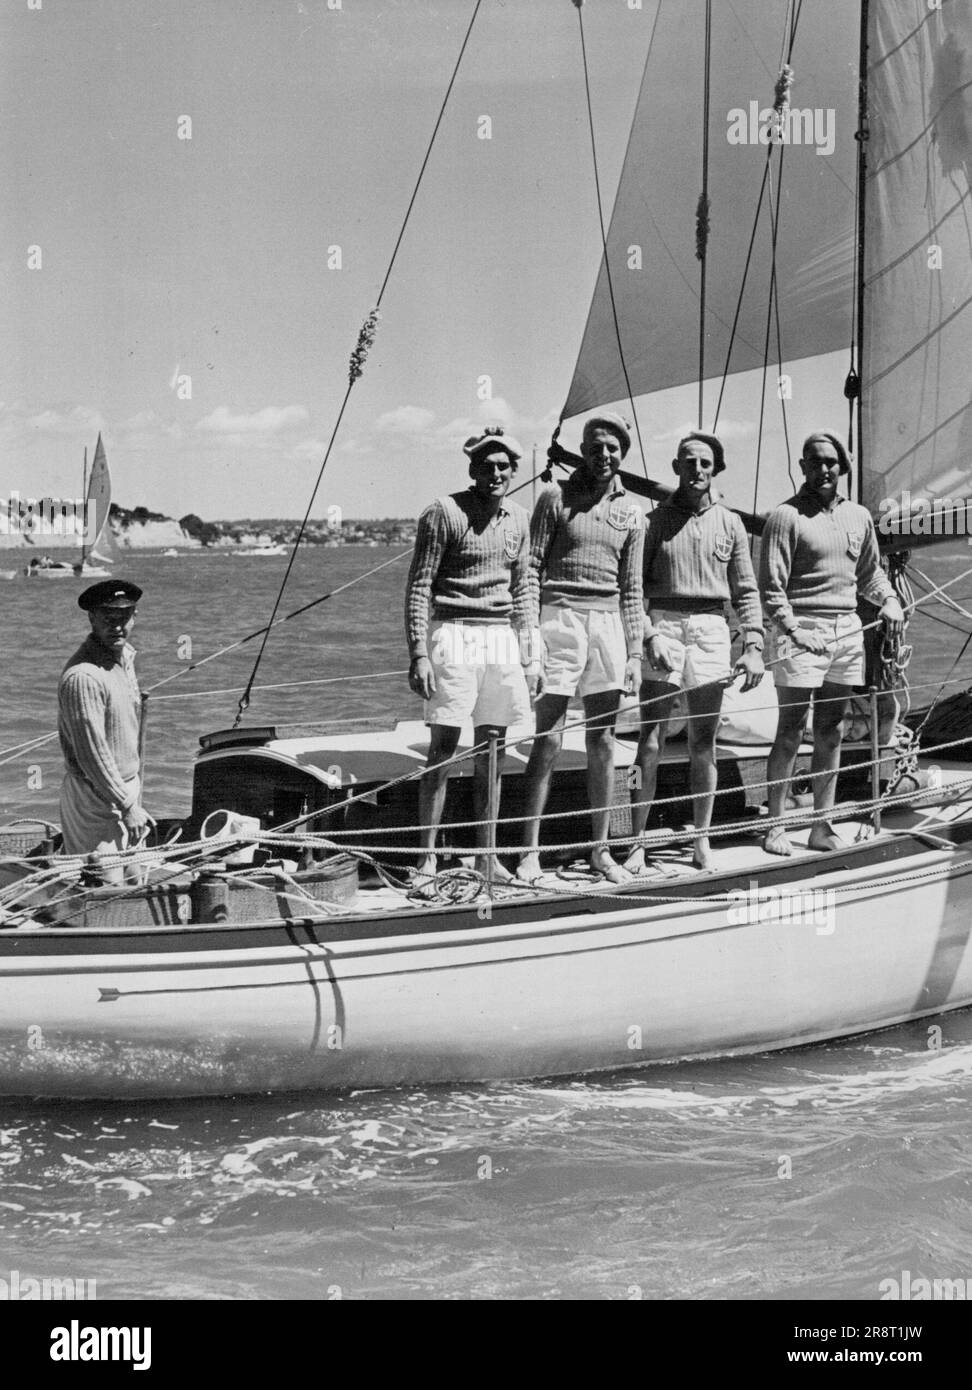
365,340
702,226
781,99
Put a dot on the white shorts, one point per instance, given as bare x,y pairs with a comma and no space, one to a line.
841,664
584,651
699,648
478,676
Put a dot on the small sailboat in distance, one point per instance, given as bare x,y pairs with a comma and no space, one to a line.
97,494
96,491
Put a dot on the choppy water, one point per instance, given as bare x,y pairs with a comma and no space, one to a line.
810,1174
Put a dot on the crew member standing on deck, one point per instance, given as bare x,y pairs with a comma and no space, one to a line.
586,541
466,620
696,559
819,553
98,723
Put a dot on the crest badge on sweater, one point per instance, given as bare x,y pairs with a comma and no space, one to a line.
622,515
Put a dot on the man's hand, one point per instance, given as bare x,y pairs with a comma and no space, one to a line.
658,657
750,667
810,641
136,821
534,679
632,675
421,678
892,615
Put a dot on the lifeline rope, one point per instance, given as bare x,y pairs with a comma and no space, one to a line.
842,812
479,749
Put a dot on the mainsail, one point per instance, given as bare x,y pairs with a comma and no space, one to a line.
651,243
917,379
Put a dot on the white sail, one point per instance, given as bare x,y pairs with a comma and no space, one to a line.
917,383
97,508
652,236
98,498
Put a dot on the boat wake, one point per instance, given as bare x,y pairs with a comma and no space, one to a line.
902,1073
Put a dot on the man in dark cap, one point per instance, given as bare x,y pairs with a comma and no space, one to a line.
696,560
819,552
466,620
99,719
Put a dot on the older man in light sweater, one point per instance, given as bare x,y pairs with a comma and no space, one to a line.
99,719
586,540
819,553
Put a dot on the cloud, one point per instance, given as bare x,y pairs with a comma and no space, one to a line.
309,449
405,419
272,419
81,419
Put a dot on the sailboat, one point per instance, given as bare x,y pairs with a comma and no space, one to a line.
97,494
96,491
316,969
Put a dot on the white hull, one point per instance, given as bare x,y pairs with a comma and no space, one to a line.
441,996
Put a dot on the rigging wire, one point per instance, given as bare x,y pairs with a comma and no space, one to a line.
702,223
774,219
18,750
853,386
365,339
793,19
606,262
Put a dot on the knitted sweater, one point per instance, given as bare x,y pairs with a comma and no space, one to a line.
817,561
586,551
701,555
98,708
467,565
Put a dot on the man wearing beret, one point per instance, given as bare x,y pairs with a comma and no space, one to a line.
819,552
696,560
99,717
586,541
467,623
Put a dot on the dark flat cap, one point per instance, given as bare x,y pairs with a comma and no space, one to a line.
110,593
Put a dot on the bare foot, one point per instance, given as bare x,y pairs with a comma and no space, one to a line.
421,879
702,853
776,841
500,873
823,836
602,863
635,862
426,867
528,870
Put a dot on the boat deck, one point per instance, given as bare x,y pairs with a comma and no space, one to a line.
669,869
937,819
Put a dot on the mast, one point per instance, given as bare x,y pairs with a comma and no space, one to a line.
84,503
862,137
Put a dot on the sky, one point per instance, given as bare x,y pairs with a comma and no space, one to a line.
181,295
